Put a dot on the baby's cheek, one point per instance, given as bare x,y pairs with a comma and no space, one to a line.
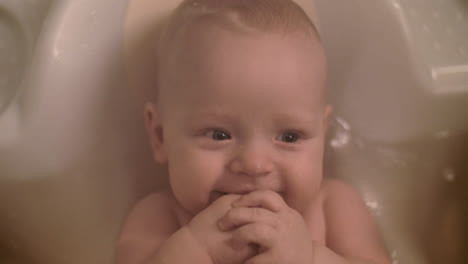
302,181
200,171
207,164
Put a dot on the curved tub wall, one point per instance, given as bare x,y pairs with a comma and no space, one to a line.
73,155
399,84
405,60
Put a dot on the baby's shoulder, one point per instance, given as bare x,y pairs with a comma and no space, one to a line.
159,200
153,212
341,199
334,189
150,222
351,228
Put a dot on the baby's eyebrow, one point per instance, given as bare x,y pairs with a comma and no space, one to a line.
283,117
212,115
297,117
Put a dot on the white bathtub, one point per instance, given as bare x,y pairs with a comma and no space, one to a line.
74,157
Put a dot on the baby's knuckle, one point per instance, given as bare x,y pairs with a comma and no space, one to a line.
275,198
254,213
279,199
235,211
227,217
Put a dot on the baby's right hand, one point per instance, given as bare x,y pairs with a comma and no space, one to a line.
204,228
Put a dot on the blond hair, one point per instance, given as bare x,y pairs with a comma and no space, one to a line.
244,16
282,16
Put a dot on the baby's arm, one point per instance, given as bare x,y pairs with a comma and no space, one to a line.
152,235
351,230
150,226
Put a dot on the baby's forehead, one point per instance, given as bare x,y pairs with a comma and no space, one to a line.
241,16
183,48
229,58
214,42
211,33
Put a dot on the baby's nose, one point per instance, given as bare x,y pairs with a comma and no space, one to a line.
252,161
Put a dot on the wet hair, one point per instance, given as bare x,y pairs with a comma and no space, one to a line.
280,16
243,16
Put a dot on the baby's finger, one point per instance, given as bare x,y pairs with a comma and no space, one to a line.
262,235
246,215
262,198
224,202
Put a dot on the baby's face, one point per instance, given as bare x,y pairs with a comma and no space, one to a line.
245,112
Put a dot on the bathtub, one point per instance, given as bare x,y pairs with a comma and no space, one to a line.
74,157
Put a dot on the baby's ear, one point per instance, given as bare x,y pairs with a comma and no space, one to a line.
326,115
155,132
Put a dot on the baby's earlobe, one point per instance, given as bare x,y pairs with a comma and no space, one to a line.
326,115
158,131
155,133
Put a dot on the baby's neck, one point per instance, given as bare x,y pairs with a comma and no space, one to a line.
182,215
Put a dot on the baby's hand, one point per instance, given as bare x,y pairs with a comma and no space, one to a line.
263,218
216,242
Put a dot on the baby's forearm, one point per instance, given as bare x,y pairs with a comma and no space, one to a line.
181,248
324,255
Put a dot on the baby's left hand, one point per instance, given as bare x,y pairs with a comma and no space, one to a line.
263,218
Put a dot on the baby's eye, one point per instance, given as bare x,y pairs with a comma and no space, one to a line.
217,134
289,137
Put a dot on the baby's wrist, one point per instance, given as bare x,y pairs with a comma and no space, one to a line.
195,244
183,247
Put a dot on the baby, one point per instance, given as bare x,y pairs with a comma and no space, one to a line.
240,121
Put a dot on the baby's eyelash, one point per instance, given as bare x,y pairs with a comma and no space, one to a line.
218,134
289,137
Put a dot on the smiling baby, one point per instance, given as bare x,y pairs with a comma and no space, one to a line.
239,122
